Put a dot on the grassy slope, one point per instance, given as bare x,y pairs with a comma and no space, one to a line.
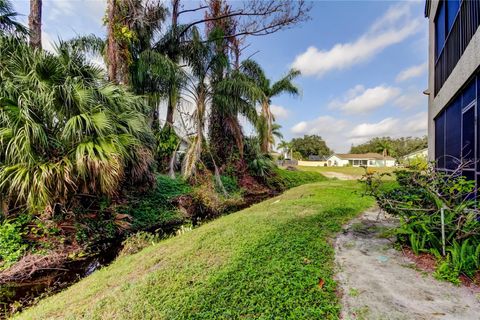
262,262
353,171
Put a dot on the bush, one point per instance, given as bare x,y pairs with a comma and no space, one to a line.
155,207
138,241
417,199
230,184
65,130
12,246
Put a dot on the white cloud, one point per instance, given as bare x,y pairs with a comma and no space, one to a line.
279,112
324,124
59,8
329,128
415,125
48,42
411,100
369,130
412,72
393,27
361,100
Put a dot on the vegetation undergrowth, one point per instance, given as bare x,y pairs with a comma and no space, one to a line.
272,260
418,198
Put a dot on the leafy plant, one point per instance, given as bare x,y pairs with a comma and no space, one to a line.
138,241
64,130
418,199
154,207
12,246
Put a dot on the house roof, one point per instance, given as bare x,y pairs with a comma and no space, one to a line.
316,158
363,156
416,152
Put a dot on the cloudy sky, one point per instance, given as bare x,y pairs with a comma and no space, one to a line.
363,65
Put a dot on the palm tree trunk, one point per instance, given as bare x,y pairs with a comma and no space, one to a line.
112,47
172,102
173,90
35,23
267,116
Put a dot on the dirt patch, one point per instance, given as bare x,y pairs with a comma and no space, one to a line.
339,175
379,282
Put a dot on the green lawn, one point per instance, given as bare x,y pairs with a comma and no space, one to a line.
263,262
352,171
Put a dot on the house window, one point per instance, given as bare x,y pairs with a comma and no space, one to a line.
440,32
468,137
456,133
453,138
440,140
453,6
456,22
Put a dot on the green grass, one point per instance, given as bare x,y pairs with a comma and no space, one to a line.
352,171
263,262
283,179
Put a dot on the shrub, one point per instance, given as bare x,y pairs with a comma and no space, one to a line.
230,184
138,241
155,207
12,246
417,199
64,130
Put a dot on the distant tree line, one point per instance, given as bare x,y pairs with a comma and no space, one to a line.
395,147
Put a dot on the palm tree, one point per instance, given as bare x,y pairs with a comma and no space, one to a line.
64,130
284,146
131,28
7,19
284,85
232,95
35,23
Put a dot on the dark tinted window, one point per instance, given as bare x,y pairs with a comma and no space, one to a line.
440,28
453,130
468,94
452,10
440,140
468,138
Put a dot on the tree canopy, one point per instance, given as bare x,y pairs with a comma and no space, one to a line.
395,147
310,145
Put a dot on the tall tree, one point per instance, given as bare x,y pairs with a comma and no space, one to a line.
250,18
35,23
131,28
310,145
285,85
233,92
8,23
224,125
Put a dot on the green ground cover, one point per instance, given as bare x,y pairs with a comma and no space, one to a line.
273,260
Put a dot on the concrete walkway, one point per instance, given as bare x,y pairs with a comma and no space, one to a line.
379,282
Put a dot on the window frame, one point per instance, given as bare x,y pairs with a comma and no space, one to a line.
446,30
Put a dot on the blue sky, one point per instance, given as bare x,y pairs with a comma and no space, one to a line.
363,65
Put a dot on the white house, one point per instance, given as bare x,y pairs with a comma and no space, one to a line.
419,154
357,160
